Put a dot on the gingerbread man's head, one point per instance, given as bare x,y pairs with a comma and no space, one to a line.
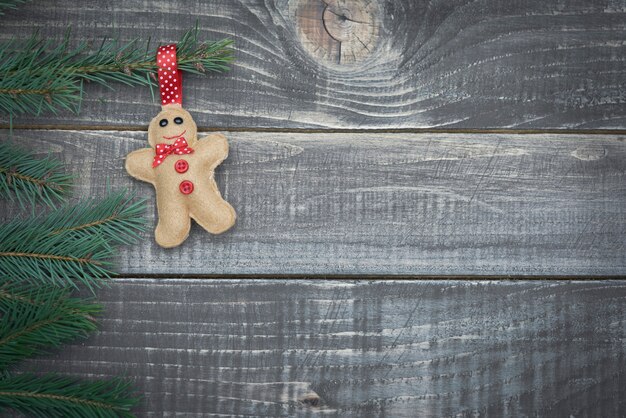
171,123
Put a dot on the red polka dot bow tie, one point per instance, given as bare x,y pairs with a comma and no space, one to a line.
179,147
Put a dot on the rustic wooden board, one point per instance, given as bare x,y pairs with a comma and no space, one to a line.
362,348
394,64
370,204
407,204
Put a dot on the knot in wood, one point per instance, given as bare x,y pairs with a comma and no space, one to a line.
590,152
339,31
311,399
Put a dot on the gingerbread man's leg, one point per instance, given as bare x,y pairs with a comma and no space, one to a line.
210,211
174,222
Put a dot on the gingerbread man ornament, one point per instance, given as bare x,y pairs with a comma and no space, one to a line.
181,166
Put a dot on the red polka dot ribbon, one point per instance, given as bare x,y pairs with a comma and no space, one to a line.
170,79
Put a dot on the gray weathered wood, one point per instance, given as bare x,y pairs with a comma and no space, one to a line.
428,204
363,348
380,204
398,63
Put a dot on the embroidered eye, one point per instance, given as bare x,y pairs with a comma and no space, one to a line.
178,121
163,122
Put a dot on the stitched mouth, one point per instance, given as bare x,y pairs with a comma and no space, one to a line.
175,136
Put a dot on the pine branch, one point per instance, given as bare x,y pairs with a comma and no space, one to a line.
31,254
72,245
36,76
37,317
26,178
54,396
117,218
9,4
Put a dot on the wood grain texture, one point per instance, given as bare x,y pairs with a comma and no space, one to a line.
407,204
420,64
362,348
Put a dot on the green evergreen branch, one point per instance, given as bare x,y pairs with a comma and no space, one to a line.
9,4
37,76
37,317
117,217
26,178
54,396
72,245
30,253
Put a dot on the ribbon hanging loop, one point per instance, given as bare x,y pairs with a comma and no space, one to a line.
170,79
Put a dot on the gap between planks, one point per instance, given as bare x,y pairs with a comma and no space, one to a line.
362,277
144,128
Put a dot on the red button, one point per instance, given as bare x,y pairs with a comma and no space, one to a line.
181,166
186,187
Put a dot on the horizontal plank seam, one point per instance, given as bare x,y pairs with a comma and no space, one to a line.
362,277
144,128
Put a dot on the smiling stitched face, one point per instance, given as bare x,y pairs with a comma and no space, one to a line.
170,124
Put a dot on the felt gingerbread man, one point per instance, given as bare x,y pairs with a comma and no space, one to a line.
181,166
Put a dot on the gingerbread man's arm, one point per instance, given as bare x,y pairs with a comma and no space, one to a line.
139,164
214,149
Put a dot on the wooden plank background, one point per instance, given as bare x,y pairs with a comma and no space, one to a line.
465,64
373,203
370,139
361,348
